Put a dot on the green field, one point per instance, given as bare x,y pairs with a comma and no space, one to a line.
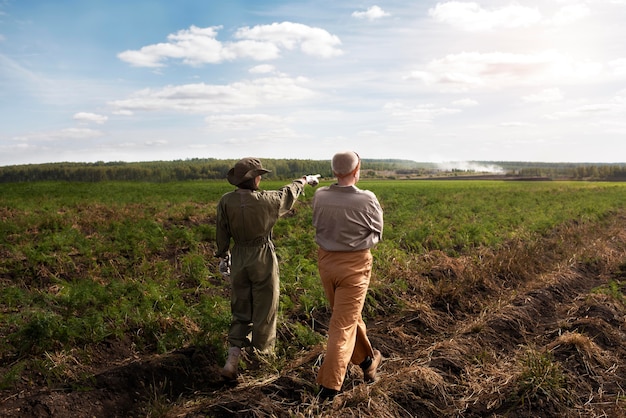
87,263
84,261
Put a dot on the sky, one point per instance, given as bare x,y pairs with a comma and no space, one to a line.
429,81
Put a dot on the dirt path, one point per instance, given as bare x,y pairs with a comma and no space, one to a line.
519,341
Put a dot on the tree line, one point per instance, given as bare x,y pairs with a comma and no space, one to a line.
210,168
575,171
164,171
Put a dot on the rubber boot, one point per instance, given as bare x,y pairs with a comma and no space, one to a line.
231,368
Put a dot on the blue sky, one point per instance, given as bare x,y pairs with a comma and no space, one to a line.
432,81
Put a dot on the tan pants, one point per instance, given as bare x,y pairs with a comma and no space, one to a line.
345,277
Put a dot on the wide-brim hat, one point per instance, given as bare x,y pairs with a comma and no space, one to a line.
245,169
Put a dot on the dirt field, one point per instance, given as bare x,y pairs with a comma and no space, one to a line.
527,341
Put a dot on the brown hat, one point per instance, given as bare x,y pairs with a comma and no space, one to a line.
245,169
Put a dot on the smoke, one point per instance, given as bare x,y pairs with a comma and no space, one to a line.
470,166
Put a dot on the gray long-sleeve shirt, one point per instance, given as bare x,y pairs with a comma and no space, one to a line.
346,218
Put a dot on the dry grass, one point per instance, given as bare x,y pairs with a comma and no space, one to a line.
509,333
514,331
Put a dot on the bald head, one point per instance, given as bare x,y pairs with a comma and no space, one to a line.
344,163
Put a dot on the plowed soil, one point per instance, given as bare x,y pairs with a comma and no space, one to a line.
524,331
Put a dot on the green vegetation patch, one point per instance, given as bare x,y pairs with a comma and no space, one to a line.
81,263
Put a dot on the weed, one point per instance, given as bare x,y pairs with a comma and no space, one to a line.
158,404
614,289
12,375
542,379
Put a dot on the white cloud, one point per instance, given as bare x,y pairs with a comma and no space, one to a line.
408,114
590,110
312,41
471,16
514,124
618,66
156,143
60,135
544,96
90,117
262,69
495,70
263,139
465,103
123,112
373,13
17,74
241,122
207,98
196,46
570,14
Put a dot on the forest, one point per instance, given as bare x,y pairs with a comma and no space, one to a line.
210,168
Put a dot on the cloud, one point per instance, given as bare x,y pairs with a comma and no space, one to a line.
618,66
570,14
194,46
155,143
371,14
197,46
405,115
262,69
207,98
514,124
465,103
590,110
90,117
544,96
495,70
242,122
123,112
60,135
16,75
312,41
471,16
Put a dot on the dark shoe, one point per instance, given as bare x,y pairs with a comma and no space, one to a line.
327,394
369,372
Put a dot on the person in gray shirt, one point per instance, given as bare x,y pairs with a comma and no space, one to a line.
348,222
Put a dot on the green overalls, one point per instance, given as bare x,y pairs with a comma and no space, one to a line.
248,217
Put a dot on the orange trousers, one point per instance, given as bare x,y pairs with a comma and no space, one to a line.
345,277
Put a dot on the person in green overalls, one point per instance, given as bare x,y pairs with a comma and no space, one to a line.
247,216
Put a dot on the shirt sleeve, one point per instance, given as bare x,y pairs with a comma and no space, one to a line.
222,231
376,219
289,195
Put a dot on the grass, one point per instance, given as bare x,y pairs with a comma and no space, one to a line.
84,263
541,378
455,216
615,289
